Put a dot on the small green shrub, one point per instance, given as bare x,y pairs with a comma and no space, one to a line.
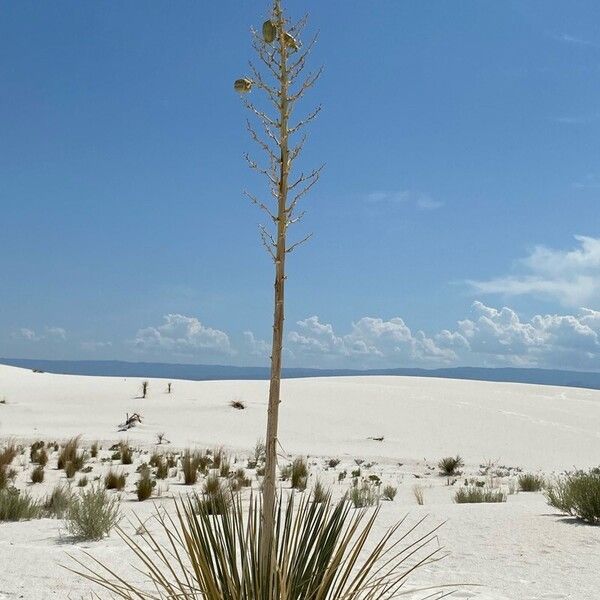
114,480
389,492
57,503
473,494
577,494
530,483
450,465
144,485
333,462
364,495
299,474
33,451
37,475
17,505
92,514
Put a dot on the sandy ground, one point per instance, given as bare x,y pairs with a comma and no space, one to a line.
518,550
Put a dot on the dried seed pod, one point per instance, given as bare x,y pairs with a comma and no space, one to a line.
290,41
269,31
242,85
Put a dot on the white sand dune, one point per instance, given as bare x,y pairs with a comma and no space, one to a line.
518,550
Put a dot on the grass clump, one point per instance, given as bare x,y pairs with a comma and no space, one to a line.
530,483
92,514
70,470
216,498
17,505
162,469
57,503
419,494
237,404
189,465
299,474
37,475
94,450
473,494
126,454
577,494
319,493
389,492
114,480
450,465
83,481
363,495
144,485
70,453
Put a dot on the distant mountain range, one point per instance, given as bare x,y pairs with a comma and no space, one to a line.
115,368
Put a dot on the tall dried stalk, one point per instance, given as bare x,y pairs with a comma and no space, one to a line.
283,84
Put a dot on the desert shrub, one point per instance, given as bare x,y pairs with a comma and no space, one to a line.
92,514
57,503
342,475
94,450
215,499
218,456
37,475
319,493
258,455
189,466
41,457
333,462
162,469
69,453
116,455
225,468
83,481
155,459
299,474
8,454
389,492
363,495
204,461
114,480
144,485
356,473
126,454
70,470
285,472
530,483
419,494
577,494
33,451
145,386
450,465
237,404
473,494
17,505
238,480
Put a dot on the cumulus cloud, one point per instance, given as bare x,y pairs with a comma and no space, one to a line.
49,334
183,335
490,337
570,276
371,341
255,346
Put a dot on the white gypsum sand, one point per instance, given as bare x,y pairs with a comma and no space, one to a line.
514,550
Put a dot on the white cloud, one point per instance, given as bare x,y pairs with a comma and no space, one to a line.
93,346
50,334
183,335
418,199
570,276
491,337
255,346
370,342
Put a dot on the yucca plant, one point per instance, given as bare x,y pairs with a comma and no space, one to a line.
315,554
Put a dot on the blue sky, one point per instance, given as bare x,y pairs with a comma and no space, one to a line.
457,220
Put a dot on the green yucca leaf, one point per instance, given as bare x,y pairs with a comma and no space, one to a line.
318,553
